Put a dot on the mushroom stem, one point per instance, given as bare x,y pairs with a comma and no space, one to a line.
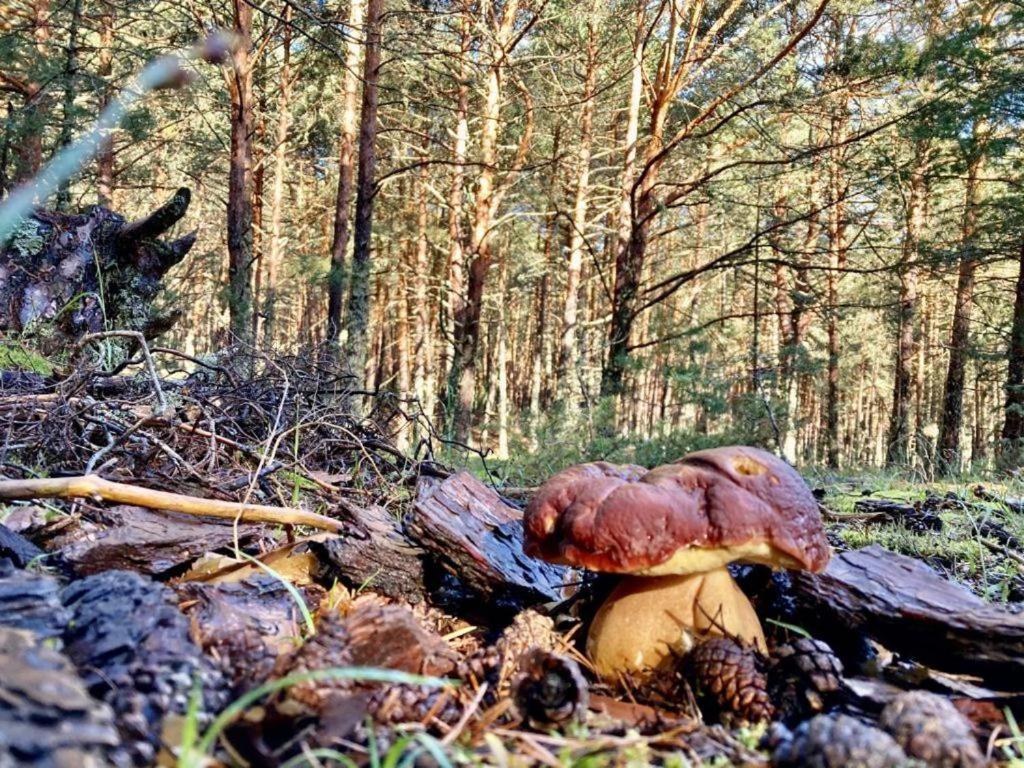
649,620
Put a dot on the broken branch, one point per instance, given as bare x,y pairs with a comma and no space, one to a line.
95,487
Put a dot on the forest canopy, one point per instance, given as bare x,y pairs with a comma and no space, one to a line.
594,228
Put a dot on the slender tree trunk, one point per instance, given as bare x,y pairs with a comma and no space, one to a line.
837,260
501,362
462,375
907,333
423,360
948,456
1011,455
104,69
570,385
239,213
275,254
611,377
455,289
357,320
29,149
67,124
346,174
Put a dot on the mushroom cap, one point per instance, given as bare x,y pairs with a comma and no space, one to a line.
708,509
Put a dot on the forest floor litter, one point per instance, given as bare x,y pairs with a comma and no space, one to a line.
360,604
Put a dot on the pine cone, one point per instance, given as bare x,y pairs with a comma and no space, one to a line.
835,741
930,728
397,704
729,682
550,689
804,678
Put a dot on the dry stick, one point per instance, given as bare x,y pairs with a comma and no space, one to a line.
95,487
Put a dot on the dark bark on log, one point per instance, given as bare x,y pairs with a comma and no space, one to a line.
153,543
31,602
47,718
373,551
478,538
390,637
133,649
66,275
20,550
906,606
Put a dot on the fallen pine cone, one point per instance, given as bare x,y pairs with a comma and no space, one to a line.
834,741
550,689
729,682
804,678
931,729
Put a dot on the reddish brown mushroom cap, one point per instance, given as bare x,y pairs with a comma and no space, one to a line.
709,508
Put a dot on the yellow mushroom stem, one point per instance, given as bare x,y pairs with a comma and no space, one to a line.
647,621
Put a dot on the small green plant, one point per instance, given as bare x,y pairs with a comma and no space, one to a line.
195,749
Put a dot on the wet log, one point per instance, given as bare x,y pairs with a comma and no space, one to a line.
20,550
47,717
913,611
31,601
66,275
478,538
132,648
372,552
153,543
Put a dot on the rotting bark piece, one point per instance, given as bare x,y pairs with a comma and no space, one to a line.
65,275
30,601
47,718
245,625
389,636
373,552
20,550
153,543
910,609
133,649
476,536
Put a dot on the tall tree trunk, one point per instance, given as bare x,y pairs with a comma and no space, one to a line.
346,174
275,254
454,295
501,362
836,261
570,385
462,374
29,150
907,332
239,212
422,357
611,375
358,316
67,123
948,456
1011,454
105,69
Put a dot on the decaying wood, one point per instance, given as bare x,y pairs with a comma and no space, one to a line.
372,552
390,637
154,543
133,650
66,275
95,487
47,718
479,538
31,601
20,550
911,610
245,625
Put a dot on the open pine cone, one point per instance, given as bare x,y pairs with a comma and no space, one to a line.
804,678
729,682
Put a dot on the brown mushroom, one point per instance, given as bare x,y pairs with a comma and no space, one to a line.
673,530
